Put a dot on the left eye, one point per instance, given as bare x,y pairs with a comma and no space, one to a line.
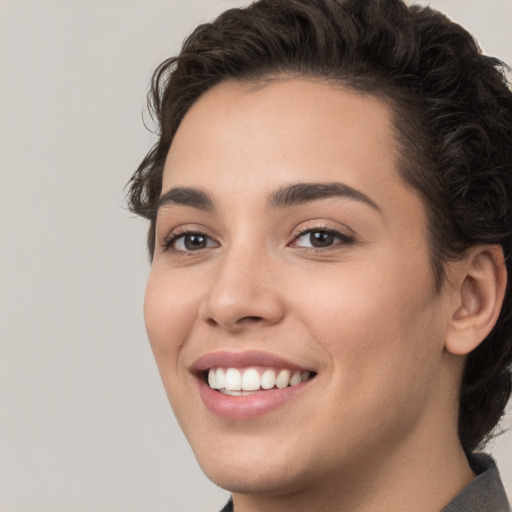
192,242
321,238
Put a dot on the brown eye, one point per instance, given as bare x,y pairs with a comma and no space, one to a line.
187,242
194,242
321,239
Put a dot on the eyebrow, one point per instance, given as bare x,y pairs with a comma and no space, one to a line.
187,196
288,195
300,193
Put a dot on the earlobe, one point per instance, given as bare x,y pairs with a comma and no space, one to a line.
482,279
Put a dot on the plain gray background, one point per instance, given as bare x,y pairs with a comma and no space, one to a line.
84,422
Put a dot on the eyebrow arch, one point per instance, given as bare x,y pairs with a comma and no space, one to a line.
187,196
299,193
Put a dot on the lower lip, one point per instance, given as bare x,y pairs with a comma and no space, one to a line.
247,406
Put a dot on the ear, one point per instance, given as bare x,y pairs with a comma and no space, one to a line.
481,280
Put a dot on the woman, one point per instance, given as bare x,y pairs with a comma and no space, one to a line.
330,206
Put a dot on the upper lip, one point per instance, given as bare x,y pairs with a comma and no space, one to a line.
226,359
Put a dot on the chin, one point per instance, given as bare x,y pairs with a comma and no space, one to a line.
251,466
245,478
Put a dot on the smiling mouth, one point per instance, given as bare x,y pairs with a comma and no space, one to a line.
248,381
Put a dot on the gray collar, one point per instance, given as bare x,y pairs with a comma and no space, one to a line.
485,492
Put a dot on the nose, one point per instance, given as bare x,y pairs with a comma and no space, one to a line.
243,292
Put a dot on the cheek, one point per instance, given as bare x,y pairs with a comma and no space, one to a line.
168,313
379,325
384,347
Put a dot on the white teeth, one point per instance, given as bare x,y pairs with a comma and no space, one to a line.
236,393
283,379
268,379
220,378
212,380
232,381
251,380
296,378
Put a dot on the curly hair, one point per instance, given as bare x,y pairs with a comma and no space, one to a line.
452,109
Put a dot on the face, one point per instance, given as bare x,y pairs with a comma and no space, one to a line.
292,272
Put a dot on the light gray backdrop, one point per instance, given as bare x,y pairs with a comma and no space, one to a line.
84,422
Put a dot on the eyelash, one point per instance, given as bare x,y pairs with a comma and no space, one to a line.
343,239
181,233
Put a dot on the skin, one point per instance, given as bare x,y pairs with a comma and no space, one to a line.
376,429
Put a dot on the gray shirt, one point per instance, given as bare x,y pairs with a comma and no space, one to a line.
485,493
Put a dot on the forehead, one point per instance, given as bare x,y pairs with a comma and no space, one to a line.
238,140
278,119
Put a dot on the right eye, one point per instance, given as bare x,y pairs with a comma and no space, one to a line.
189,241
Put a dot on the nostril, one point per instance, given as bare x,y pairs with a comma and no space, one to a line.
250,319
236,323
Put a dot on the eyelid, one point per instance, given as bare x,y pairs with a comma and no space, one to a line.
182,231
323,225
345,235
345,238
